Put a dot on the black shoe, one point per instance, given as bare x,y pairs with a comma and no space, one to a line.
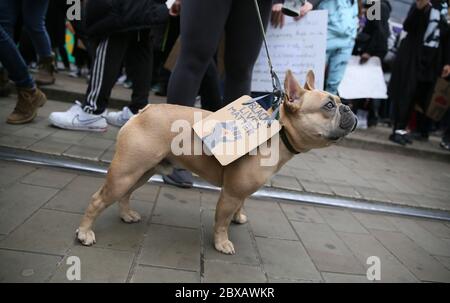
180,178
419,137
399,139
160,89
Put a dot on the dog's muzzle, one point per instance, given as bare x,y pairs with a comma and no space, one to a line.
348,119
347,123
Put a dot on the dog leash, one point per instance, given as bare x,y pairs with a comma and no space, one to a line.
278,92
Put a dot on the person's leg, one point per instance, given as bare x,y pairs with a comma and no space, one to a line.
34,12
29,97
139,62
337,62
202,24
109,57
138,65
423,100
9,11
210,89
401,116
26,48
242,26
13,61
8,19
64,56
108,61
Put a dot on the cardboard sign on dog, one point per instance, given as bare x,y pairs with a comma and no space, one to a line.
236,129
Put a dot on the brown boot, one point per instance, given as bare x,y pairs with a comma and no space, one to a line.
28,102
46,71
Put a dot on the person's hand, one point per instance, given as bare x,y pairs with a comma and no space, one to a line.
277,18
175,9
446,71
421,4
364,58
306,8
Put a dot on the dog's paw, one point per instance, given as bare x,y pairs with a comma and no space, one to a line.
86,237
240,218
130,216
225,247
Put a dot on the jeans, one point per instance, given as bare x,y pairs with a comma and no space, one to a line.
13,62
337,59
33,16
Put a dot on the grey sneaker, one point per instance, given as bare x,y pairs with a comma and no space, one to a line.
119,118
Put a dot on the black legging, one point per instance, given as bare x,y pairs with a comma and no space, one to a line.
422,95
202,25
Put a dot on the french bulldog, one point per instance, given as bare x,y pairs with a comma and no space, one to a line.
310,119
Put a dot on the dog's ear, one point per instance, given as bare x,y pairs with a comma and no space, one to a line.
310,80
294,92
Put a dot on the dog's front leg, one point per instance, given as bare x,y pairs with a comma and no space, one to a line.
225,210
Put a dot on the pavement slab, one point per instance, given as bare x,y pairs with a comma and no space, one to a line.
149,274
268,220
25,267
286,259
98,265
222,272
19,202
172,247
415,258
328,252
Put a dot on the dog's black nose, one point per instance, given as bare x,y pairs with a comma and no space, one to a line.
347,118
344,109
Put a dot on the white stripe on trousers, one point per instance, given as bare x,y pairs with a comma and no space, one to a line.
97,75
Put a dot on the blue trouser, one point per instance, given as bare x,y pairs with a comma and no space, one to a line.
337,59
13,61
33,16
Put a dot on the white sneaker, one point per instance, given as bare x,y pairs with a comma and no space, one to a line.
77,119
119,118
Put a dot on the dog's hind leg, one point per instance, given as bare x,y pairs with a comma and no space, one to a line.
239,216
126,214
118,184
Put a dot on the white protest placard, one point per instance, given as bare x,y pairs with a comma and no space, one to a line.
363,80
299,46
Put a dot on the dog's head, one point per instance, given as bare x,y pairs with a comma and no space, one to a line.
314,118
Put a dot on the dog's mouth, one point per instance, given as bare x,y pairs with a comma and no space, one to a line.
347,125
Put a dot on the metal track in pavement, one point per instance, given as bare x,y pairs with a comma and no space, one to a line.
18,155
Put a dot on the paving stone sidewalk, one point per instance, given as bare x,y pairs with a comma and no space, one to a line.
336,171
40,208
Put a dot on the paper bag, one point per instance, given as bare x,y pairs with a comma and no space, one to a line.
440,101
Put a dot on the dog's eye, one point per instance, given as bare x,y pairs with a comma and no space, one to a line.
329,105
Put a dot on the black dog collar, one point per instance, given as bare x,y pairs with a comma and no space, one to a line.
286,142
